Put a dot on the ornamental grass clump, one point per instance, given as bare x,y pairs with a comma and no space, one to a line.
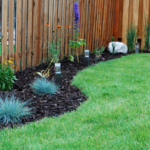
42,86
12,110
131,37
7,77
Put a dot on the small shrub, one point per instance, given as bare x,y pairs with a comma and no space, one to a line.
6,76
42,86
12,110
131,37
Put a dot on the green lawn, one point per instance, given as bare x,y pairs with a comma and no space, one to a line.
115,117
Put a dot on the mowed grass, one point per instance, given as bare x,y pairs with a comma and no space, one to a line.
116,115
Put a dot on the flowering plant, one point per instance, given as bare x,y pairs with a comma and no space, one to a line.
78,41
6,75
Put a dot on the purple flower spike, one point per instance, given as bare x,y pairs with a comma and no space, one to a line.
77,17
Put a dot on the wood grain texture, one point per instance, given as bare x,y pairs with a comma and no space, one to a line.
29,36
18,36
11,29
23,65
4,29
125,20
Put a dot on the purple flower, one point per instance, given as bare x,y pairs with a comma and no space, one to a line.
77,16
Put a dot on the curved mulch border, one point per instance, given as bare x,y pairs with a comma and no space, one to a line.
68,98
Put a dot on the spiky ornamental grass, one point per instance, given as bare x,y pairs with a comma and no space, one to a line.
131,37
12,110
42,86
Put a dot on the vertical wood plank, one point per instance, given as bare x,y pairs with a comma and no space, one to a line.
38,31
125,20
116,28
135,12
55,20
41,30
24,35
145,16
67,30
87,22
45,31
4,29
130,12
50,21
71,23
18,36
140,18
11,27
120,19
34,33
30,36
63,30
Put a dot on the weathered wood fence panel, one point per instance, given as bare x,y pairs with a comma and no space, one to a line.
29,45
131,12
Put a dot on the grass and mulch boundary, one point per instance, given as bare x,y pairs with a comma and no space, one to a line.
116,115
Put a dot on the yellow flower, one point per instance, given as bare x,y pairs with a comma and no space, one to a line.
14,66
5,63
10,62
11,58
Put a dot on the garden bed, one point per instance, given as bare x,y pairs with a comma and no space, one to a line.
68,98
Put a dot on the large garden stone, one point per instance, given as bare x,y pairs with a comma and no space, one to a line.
119,47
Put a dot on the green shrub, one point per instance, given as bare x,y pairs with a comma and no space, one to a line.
12,110
6,76
131,37
42,86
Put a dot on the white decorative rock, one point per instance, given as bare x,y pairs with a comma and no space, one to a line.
119,47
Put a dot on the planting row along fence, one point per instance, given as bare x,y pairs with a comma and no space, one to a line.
131,12
29,46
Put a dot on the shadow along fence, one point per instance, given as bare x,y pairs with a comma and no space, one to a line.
30,45
131,12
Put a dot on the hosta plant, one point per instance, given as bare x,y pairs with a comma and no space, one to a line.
12,110
42,86
7,77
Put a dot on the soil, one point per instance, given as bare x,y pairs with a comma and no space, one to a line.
68,98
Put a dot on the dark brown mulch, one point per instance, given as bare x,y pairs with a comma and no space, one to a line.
68,98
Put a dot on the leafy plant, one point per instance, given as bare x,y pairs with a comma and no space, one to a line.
42,86
75,44
12,110
54,49
131,37
7,77
113,38
46,73
146,33
99,51
71,58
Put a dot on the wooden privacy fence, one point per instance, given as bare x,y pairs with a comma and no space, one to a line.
131,12
29,45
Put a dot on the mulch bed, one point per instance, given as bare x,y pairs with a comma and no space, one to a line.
68,98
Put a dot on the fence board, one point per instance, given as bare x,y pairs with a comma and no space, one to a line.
29,36
18,36
24,35
4,30
45,30
11,31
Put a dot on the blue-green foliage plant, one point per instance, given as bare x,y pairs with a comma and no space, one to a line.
42,86
12,110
